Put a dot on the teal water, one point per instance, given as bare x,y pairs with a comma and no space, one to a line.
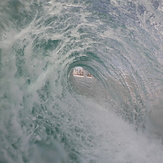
49,116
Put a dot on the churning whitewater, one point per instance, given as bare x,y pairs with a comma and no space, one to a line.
50,115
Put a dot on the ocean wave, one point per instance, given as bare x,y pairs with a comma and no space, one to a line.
49,115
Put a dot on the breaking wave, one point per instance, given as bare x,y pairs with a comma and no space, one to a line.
49,115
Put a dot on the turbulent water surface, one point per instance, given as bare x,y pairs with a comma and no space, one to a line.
47,115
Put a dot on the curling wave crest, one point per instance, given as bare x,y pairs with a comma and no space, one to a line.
49,115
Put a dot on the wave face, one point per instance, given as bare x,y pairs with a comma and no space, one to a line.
49,115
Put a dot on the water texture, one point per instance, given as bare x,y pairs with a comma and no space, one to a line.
49,116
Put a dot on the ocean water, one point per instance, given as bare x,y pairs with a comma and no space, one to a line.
47,115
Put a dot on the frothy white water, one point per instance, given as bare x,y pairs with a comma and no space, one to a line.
114,140
119,142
